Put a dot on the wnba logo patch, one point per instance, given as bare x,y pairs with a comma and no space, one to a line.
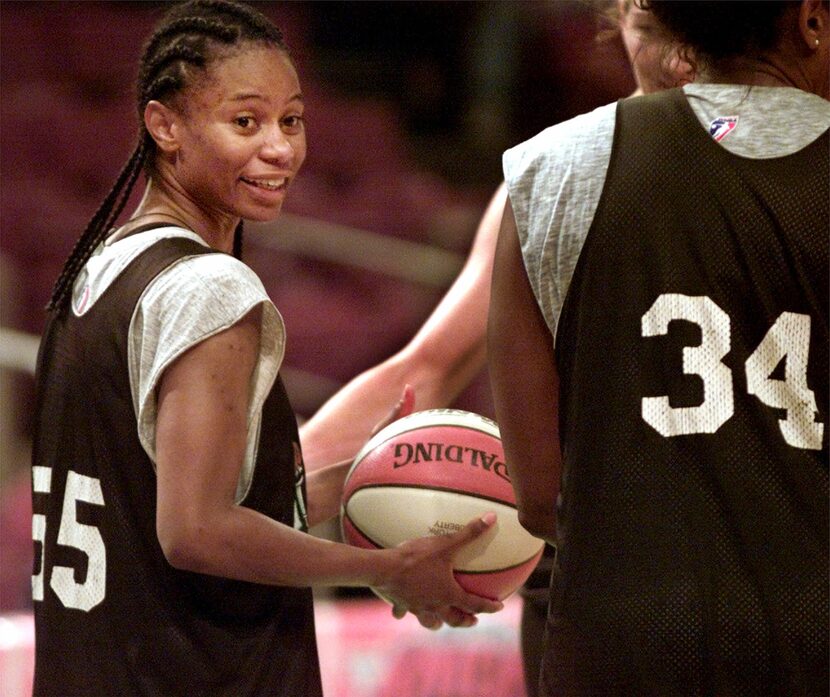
722,127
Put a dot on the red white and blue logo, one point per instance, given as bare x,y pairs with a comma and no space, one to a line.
722,127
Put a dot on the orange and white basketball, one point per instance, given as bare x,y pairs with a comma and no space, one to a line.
430,473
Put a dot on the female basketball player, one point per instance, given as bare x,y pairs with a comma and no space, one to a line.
168,482
662,276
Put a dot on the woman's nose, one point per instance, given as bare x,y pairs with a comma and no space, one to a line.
277,146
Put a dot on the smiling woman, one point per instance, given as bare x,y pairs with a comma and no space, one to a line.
242,132
169,491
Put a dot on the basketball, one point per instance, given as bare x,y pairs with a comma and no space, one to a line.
430,473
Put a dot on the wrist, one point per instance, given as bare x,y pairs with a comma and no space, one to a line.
387,565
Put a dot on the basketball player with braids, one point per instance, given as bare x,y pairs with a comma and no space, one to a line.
169,493
658,348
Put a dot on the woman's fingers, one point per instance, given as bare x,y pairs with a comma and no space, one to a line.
403,408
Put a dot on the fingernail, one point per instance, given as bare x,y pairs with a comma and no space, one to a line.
488,518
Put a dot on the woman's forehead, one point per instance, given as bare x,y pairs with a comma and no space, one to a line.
254,70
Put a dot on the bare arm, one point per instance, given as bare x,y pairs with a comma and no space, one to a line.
324,485
200,442
439,362
525,385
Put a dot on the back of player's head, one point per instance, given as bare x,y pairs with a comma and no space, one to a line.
720,30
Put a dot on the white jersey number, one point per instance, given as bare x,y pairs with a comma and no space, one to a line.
789,337
72,533
705,360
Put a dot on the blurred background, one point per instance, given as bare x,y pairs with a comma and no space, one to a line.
409,106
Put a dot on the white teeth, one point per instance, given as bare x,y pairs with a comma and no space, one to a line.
270,185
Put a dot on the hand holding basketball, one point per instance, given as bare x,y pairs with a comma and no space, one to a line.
428,474
423,583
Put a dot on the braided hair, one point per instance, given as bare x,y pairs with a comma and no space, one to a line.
186,40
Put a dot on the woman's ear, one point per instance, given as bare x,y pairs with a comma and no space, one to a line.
814,23
161,123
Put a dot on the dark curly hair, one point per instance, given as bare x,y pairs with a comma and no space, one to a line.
719,30
185,41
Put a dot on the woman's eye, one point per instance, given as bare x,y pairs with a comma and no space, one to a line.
292,123
245,122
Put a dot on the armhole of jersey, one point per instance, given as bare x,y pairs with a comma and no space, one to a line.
612,160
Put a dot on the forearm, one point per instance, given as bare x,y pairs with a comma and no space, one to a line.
344,423
240,543
533,460
324,488
526,407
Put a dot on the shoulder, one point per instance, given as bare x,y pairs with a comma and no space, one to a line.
200,295
580,140
784,100
213,279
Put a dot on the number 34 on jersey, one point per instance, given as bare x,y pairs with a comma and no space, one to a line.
789,337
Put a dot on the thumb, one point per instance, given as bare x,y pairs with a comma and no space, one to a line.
402,408
407,403
471,531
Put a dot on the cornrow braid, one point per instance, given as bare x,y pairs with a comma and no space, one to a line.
96,229
176,52
256,26
188,35
140,156
237,240
204,26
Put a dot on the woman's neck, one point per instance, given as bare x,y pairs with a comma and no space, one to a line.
159,204
768,72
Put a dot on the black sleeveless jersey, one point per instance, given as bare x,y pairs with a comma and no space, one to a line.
693,357
112,617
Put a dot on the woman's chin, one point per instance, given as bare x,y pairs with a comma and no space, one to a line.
260,214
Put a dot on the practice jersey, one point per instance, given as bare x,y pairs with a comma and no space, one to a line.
192,299
111,615
692,351
556,178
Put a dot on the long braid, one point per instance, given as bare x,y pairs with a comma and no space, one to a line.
237,240
141,155
96,229
187,36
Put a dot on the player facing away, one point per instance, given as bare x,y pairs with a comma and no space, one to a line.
169,492
660,310
448,351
